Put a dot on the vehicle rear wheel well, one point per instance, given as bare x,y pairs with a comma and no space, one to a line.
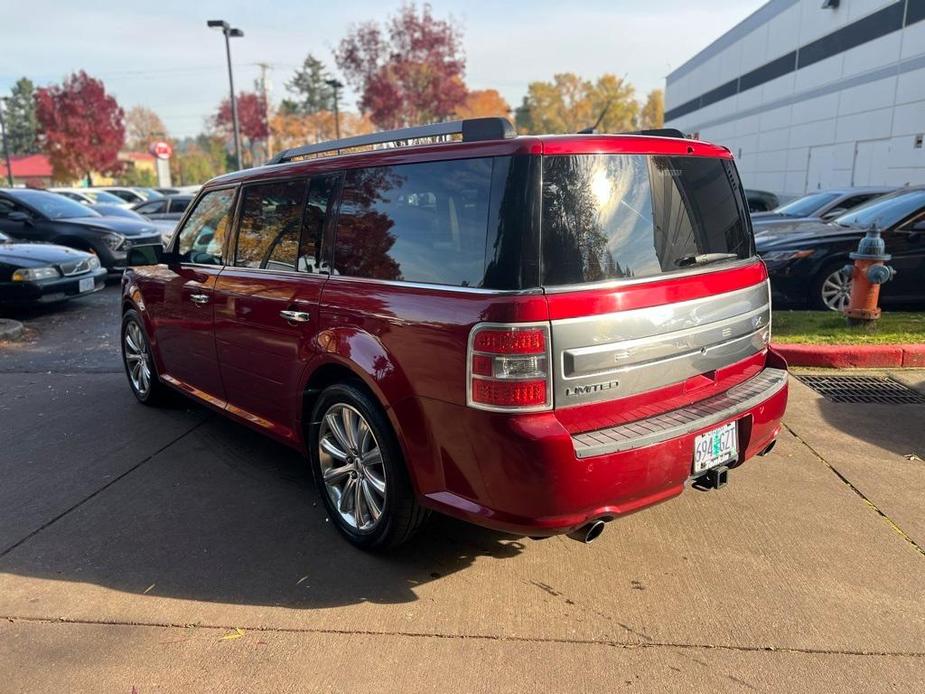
328,375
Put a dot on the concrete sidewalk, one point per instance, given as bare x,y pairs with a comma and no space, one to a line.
172,550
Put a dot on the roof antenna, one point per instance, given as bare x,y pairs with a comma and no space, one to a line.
593,129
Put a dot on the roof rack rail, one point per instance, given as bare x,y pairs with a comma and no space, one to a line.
471,130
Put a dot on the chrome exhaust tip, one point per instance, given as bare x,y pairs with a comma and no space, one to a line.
588,533
769,448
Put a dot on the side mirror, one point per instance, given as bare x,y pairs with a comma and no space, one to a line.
146,255
19,217
837,212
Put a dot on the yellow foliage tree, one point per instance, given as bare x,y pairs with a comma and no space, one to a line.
653,112
569,104
483,103
293,129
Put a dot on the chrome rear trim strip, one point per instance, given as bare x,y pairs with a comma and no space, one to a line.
669,425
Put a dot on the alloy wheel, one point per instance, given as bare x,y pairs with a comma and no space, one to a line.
136,358
352,468
836,291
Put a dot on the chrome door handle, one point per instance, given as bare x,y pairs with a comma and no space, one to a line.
199,298
296,316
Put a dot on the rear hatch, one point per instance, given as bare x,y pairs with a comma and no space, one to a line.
649,265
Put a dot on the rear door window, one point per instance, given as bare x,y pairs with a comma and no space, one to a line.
422,222
630,216
202,238
271,225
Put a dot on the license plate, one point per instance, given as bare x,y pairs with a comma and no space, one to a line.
716,447
86,285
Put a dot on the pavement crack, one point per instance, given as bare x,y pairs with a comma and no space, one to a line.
896,528
607,643
106,486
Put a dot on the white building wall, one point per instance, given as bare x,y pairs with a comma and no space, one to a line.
850,119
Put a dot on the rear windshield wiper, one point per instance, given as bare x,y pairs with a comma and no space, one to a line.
704,259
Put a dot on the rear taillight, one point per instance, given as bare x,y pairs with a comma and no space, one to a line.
509,367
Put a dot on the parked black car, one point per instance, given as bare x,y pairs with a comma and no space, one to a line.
36,215
823,204
169,207
761,200
42,273
805,264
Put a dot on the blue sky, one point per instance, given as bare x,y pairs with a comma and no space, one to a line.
161,55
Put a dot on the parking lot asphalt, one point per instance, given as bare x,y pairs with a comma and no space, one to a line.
171,550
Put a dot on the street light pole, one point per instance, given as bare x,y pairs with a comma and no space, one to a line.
230,32
6,146
335,85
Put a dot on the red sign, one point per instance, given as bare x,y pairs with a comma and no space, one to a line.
161,150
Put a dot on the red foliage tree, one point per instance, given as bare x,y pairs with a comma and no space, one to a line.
408,72
81,127
252,120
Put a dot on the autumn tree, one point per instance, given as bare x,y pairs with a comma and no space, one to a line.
309,84
142,128
407,72
293,129
21,122
652,115
81,127
192,166
252,122
483,103
569,104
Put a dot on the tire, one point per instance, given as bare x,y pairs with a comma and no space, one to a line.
359,470
139,363
830,290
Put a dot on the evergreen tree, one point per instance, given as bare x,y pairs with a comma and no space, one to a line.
309,84
21,122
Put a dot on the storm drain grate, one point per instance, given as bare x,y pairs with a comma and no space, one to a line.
863,389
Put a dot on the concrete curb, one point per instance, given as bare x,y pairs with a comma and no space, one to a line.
10,329
853,356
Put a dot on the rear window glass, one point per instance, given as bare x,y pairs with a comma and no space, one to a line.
630,216
422,222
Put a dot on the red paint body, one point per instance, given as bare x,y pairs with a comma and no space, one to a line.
407,343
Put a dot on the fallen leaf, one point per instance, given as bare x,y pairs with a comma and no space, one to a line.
232,635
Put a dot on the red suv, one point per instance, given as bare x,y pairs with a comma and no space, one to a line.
536,334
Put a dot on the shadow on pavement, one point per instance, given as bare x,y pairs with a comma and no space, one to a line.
225,515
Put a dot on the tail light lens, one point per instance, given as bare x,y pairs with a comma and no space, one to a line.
509,367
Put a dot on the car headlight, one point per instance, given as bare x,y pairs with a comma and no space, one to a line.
93,263
113,240
35,273
783,256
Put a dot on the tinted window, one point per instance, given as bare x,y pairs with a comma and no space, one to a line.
848,203
179,204
151,207
203,236
417,222
52,205
271,223
806,206
126,195
317,207
624,216
885,211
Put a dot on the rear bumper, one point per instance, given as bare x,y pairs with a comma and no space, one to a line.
526,474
